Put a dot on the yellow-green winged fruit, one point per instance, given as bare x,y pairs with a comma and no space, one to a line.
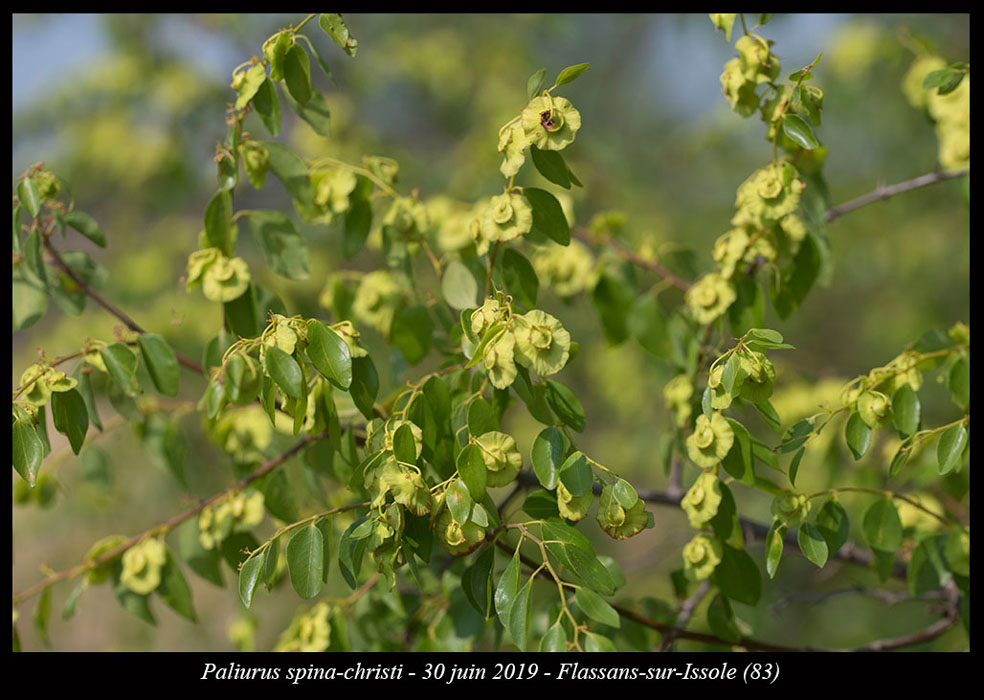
550,123
142,565
702,500
875,409
768,196
710,297
573,507
790,507
620,522
502,458
486,316
456,538
499,361
508,216
701,556
512,145
711,440
542,343
760,376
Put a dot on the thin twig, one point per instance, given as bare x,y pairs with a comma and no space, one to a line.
627,254
168,524
884,192
118,313
687,609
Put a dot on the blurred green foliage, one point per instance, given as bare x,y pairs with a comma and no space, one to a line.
134,131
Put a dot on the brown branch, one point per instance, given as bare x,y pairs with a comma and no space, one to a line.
687,609
111,308
884,192
628,254
167,525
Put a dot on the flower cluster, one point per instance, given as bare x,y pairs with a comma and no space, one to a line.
951,111
550,123
755,64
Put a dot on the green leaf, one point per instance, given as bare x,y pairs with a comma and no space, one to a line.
858,435
946,79
551,165
813,544
358,220
297,74
87,226
576,474
285,249
547,456
476,581
555,639
271,557
520,278
732,373
738,462
798,434
305,559
882,527
768,412
721,620
219,231
594,642
534,86
285,371
291,170
566,405
267,105
548,216
906,410
249,577
481,417
519,615
30,298
595,607
121,364
774,542
70,417
624,493
459,501
30,196
325,525
162,364
413,333
794,465
458,286
541,504
738,577
350,552
647,324
334,26
833,525
748,310
404,446
578,557
959,382
329,354
927,569
315,112
472,470
800,132
174,590
612,296
28,450
949,450
204,562
68,610
506,589
42,613
365,385
570,74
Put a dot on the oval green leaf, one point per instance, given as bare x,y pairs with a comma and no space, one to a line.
329,354
285,371
305,559
161,362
